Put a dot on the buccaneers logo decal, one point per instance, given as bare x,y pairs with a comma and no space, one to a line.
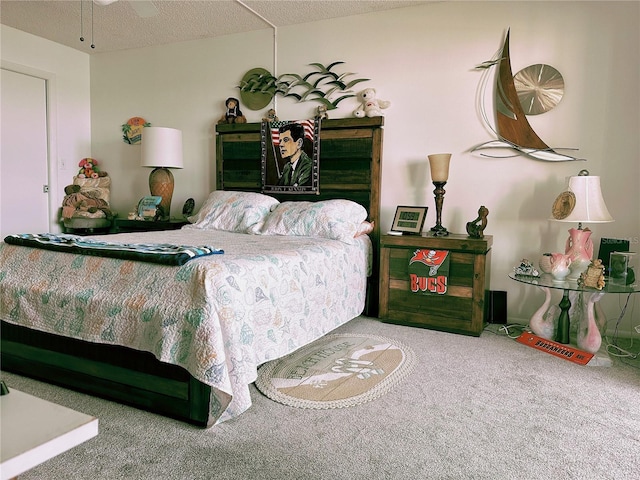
429,271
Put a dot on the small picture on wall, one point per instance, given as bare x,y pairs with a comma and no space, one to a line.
290,156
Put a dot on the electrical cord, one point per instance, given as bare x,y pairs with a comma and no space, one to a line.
507,329
613,345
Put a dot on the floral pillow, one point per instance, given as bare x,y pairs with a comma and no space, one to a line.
335,219
233,211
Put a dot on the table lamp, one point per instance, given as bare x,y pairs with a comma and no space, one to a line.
161,150
439,167
582,202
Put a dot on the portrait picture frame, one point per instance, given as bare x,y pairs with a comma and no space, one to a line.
409,219
277,177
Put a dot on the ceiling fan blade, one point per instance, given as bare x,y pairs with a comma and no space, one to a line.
144,8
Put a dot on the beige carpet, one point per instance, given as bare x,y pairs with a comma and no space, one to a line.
474,408
338,370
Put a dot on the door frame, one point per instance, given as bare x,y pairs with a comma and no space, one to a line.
52,134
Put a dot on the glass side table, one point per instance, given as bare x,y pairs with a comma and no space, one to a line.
591,316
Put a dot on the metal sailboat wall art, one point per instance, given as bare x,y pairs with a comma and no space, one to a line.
512,127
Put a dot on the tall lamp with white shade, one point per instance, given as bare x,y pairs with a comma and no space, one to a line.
582,202
162,150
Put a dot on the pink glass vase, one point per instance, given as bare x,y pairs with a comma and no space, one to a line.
579,247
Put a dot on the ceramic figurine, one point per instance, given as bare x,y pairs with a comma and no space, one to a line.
589,338
526,268
543,321
560,266
579,247
476,227
545,263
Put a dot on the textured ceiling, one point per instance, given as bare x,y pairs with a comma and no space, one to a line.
124,24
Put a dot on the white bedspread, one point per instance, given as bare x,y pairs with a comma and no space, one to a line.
219,317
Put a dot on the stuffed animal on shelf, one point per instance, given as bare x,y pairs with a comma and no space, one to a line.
271,116
233,113
85,202
322,113
370,105
89,169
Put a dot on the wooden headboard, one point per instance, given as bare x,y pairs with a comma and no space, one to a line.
349,167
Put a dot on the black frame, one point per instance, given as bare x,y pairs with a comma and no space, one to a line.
409,226
272,162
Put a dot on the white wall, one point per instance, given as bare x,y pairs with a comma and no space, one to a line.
422,59
67,71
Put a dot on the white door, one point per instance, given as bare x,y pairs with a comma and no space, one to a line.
24,203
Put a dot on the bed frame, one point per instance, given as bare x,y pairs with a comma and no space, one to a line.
350,161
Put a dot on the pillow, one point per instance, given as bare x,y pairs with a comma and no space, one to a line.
335,219
365,228
233,211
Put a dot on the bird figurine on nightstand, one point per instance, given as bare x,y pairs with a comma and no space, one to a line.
475,228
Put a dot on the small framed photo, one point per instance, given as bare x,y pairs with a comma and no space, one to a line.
148,207
409,220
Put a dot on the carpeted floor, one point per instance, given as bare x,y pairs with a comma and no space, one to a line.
473,408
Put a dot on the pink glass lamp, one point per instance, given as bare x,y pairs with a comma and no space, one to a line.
162,150
582,202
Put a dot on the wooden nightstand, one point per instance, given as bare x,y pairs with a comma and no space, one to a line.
461,309
123,225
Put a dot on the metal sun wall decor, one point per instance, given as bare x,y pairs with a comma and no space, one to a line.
534,90
323,85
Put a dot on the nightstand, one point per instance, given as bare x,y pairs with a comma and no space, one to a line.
461,309
123,225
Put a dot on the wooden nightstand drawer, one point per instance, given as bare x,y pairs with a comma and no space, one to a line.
122,225
461,309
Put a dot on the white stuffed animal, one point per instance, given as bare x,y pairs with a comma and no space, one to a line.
371,106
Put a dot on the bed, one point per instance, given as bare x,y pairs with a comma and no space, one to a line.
186,341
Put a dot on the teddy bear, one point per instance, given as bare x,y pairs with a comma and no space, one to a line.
232,113
271,116
77,201
371,106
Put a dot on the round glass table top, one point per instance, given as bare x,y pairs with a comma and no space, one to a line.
546,280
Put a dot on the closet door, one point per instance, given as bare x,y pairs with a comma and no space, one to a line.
24,203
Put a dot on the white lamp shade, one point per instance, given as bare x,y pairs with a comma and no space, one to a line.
439,166
161,147
590,206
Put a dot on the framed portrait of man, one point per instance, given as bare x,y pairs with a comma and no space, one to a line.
290,156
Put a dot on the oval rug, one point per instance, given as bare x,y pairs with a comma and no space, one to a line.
336,371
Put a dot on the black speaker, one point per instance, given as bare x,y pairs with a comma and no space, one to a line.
608,245
496,311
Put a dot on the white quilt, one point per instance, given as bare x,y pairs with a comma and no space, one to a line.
219,317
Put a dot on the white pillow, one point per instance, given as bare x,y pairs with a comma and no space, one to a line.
233,211
335,219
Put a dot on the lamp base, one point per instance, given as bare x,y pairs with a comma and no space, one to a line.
161,184
439,231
